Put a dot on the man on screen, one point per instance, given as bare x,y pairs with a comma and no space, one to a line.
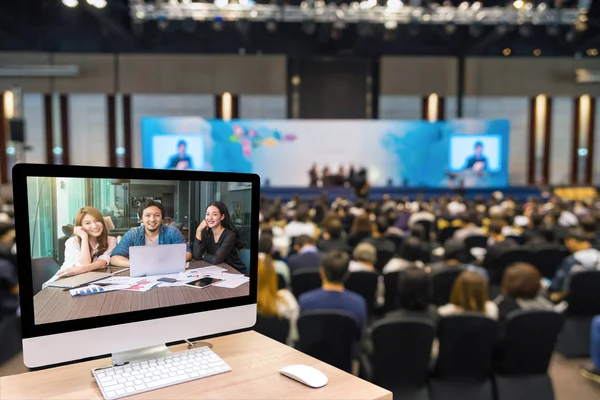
181,160
151,232
477,162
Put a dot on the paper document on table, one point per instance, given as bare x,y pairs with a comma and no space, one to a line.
232,280
119,280
212,271
93,289
142,286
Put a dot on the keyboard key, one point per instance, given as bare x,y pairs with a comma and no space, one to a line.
144,371
121,392
110,394
130,390
134,373
216,364
152,369
141,387
109,382
218,369
203,372
164,376
129,384
114,387
146,380
164,382
101,374
126,375
138,382
172,374
210,371
131,379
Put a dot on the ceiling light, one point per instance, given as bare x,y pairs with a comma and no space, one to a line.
518,4
70,3
506,51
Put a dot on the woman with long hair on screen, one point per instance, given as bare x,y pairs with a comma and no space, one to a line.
90,246
217,239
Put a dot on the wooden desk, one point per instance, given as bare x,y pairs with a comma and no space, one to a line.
254,359
55,304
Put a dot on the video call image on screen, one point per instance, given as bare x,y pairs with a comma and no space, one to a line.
475,152
110,246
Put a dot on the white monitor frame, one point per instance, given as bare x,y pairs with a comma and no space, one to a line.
60,342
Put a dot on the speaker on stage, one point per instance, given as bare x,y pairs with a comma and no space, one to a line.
16,128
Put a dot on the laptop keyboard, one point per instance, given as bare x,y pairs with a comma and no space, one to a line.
125,380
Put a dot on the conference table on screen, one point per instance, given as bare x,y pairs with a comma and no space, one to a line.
56,305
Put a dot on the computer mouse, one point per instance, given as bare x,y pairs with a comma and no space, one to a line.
306,374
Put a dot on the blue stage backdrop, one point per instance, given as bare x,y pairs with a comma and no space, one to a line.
413,153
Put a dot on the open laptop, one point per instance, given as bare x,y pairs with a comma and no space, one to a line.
157,260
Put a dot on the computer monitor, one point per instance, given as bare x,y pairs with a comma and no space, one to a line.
116,315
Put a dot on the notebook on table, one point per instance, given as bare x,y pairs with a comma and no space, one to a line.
79,280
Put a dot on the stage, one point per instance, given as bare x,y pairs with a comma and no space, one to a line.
285,193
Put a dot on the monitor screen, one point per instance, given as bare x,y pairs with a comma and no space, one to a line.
107,246
466,150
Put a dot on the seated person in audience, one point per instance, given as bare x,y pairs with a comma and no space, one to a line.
499,245
590,227
521,291
543,236
217,239
332,295
454,252
410,255
423,213
301,224
421,233
333,237
274,302
378,240
361,229
9,277
470,293
470,227
365,256
414,296
265,246
583,258
151,232
90,247
593,372
307,255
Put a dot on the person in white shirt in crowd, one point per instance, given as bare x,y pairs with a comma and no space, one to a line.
423,213
410,255
90,246
471,228
470,294
300,225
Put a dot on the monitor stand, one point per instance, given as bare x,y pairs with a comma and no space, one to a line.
145,353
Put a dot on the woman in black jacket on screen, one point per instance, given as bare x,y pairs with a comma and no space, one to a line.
217,239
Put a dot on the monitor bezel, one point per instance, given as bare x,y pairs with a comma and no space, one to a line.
22,171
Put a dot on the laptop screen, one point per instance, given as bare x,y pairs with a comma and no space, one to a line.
78,225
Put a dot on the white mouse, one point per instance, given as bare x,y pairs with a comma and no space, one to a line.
305,374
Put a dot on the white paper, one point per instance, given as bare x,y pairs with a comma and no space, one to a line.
95,289
119,280
197,273
232,280
155,278
141,286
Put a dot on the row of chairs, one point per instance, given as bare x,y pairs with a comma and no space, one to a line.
476,359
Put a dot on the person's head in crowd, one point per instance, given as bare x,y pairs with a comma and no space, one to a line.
454,251
334,229
471,218
329,217
521,281
589,226
495,231
470,292
418,231
380,226
576,240
496,212
361,224
535,220
365,253
411,250
334,269
267,296
167,220
304,241
302,214
265,244
413,290
266,229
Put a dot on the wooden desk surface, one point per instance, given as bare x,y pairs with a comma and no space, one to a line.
254,359
55,304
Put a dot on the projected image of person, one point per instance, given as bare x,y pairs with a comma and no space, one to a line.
151,232
181,160
90,247
478,161
217,239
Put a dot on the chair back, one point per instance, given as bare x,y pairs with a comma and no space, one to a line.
528,342
328,335
273,327
401,351
582,297
391,289
61,249
476,241
428,226
383,257
446,234
397,239
496,270
520,240
442,283
42,269
365,284
304,280
281,282
466,345
547,260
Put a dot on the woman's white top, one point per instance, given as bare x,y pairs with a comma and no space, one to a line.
289,309
491,310
73,252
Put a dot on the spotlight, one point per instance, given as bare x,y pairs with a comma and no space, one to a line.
570,36
518,4
475,30
450,28
394,4
188,25
506,52
70,3
502,29
271,26
367,4
390,25
364,29
525,30
242,26
221,3
218,24
309,27
162,23
537,52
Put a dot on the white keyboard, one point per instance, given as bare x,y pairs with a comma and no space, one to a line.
125,380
